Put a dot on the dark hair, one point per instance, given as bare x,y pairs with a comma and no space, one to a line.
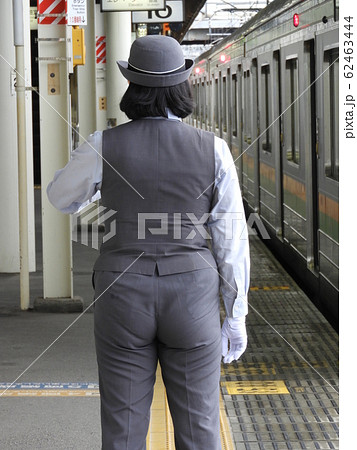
142,101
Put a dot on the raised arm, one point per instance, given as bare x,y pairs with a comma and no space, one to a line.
78,183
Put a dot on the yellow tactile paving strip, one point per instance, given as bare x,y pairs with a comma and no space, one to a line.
161,432
256,387
269,288
226,436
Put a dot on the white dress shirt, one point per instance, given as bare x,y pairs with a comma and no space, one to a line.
79,183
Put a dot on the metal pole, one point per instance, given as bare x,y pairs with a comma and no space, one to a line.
118,47
21,147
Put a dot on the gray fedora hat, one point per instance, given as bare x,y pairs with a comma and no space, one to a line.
156,61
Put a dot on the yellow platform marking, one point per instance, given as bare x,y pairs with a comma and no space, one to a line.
254,369
226,434
294,365
255,387
269,288
249,369
299,389
161,431
51,393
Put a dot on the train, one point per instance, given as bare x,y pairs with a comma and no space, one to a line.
270,90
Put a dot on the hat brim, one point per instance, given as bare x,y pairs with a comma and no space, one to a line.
150,80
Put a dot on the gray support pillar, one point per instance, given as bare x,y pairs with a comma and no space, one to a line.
54,51
118,27
9,223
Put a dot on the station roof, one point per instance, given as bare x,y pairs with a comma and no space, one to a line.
192,8
223,15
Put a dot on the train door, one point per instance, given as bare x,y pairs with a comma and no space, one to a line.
194,116
205,102
197,100
296,174
216,114
327,108
210,103
203,105
250,156
269,139
236,119
225,106
208,88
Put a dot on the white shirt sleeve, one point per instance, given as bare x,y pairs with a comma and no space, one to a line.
228,229
79,182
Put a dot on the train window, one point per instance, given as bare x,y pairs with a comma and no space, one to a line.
331,113
194,100
234,105
216,105
239,103
197,90
207,104
291,133
194,89
194,92
224,104
209,118
198,99
203,102
265,108
247,107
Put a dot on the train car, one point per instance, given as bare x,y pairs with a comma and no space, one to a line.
271,91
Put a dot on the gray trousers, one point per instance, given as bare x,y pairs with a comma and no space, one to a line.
141,319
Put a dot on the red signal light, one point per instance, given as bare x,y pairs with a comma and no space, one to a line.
296,20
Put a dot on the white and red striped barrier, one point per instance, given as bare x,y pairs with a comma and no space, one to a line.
100,50
52,12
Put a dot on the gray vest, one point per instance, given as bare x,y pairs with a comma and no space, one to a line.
157,177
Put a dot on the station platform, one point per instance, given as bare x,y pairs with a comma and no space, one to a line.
281,394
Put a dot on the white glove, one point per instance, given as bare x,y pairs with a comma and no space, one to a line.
234,331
